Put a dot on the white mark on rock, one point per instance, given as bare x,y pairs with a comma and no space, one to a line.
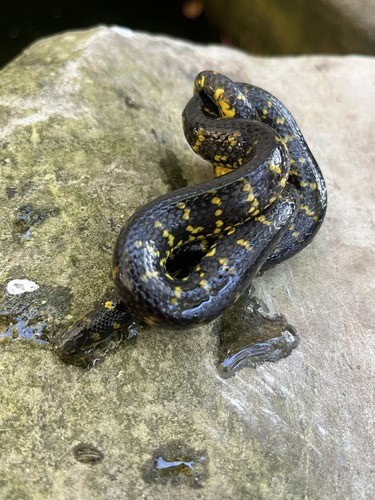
321,430
18,287
121,30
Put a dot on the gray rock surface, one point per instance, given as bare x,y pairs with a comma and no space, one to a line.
91,129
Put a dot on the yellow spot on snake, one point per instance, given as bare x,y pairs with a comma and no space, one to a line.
158,224
280,120
178,291
288,138
313,185
282,183
151,320
219,223
194,230
279,139
220,158
232,140
244,243
186,214
275,168
223,261
174,301
306,209
301,160
217,230
226,110
116,325
220,170
218,212
218,93
263,220
211,253
109,305
309,212
216,201
138,244
181,205
203,283
169,236
150,275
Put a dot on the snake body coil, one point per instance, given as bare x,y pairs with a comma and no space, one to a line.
187,256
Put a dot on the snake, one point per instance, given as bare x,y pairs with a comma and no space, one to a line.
186,257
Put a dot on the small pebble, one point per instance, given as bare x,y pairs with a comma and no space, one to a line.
18,287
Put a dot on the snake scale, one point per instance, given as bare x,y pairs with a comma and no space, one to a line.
187,256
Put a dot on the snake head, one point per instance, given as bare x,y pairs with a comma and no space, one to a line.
222,96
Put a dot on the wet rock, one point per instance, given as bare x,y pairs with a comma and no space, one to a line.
91,124
176,464
249,336
87,454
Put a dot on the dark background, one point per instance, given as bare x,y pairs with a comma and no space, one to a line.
273,27
22,24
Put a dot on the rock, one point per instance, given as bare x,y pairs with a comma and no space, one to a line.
91,129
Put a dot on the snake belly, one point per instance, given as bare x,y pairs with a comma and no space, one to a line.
187,256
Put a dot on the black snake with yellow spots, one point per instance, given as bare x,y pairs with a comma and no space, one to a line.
187,256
